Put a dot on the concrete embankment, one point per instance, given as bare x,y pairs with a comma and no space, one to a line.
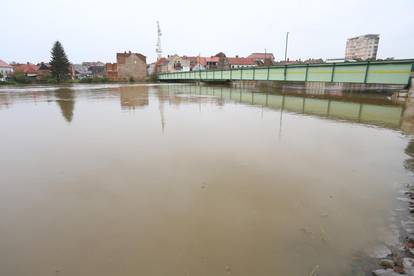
411,86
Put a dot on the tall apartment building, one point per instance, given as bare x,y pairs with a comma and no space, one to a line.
362,47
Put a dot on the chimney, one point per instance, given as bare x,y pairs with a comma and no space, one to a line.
237,56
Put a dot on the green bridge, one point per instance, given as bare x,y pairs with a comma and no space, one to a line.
375,72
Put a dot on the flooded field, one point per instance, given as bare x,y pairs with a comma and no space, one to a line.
196,180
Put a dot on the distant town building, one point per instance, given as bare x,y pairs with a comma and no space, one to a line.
183,64
198,67
111,71
241,62
45,69
263,58
30,70
156,67
81,71
129,66
160,65
223,62
151,68
5,69
212,62
362,47
176,63
96,68
197,63
93,63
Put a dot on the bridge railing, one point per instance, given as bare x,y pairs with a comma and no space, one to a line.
379,72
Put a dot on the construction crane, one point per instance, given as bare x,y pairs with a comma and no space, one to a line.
158,50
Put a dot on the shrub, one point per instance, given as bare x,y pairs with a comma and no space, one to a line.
20,77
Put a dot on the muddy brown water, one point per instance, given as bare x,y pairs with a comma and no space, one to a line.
188,180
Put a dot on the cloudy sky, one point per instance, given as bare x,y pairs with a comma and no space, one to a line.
92,30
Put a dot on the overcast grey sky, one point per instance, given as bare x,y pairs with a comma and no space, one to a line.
92,30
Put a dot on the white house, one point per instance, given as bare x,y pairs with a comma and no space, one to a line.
5,70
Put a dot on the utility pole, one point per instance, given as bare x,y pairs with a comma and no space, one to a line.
264,60
286,46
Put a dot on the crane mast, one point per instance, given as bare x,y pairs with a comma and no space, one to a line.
158,50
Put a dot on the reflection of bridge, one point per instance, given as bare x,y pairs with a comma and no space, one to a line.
378,72
385,115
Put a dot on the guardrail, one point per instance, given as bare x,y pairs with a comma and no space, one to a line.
378,72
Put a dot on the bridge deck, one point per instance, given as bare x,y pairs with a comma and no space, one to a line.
378,72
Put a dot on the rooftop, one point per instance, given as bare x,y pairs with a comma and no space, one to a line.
365,36
261,56
4,64
241,61
27,68
212,59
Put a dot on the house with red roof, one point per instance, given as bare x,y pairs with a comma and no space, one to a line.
263,58
175,63
161,65
212,62
5,69
197,63
30,70
241,62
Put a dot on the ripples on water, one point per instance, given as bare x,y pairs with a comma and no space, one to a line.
195,180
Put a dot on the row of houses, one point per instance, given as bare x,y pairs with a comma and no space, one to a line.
28,69
133,66
128,66
176,63
43,69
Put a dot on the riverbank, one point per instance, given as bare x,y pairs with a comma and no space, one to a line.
54,82
397,258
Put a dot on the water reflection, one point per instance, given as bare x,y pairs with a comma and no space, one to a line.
5,101
374,111
133,97
66,101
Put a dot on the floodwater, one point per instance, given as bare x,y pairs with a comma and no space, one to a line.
195,180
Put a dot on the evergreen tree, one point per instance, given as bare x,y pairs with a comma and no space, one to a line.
59,62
